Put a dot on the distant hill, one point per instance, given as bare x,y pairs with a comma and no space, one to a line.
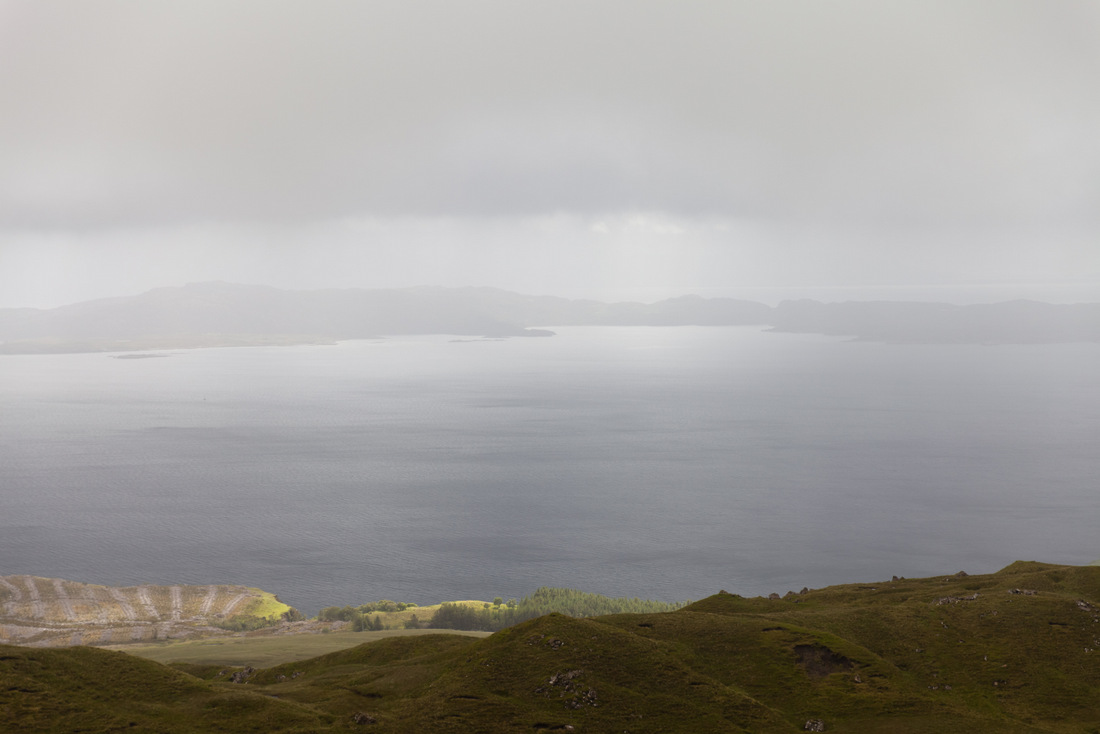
1014,651
225,314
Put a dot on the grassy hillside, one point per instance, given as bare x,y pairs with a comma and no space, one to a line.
1015,651
265,650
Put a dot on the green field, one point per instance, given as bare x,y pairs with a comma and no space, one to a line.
264,651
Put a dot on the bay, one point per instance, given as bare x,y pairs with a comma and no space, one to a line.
664,463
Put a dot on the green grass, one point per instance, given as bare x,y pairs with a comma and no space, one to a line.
1017,651
267,606
93,690
397,620
263,651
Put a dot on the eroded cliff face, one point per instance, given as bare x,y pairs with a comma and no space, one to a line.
54,612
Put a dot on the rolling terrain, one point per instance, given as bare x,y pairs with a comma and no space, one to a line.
1014,651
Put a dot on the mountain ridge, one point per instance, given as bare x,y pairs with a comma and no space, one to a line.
225,314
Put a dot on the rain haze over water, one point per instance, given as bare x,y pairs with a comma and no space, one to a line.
924,150
666,463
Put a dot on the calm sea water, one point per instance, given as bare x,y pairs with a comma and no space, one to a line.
656,462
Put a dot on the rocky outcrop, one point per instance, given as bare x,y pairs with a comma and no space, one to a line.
568,687
242,676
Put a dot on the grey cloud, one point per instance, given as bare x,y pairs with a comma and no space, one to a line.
610,149
899,112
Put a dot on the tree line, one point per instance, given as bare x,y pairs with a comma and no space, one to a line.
349,613
545,600
498,614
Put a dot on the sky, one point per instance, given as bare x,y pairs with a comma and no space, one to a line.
619,150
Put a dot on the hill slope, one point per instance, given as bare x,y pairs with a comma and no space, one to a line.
1015,651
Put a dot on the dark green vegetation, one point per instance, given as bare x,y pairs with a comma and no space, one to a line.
250,622
1015,651
545,600
489,616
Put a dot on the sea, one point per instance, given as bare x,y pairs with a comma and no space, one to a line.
654,462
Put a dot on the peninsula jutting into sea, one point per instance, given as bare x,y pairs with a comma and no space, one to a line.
217,314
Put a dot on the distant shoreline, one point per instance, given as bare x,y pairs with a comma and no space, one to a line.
128,347
207,315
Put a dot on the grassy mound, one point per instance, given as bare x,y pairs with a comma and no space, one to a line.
91,690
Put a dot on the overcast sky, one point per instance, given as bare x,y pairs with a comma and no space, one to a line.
600,148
